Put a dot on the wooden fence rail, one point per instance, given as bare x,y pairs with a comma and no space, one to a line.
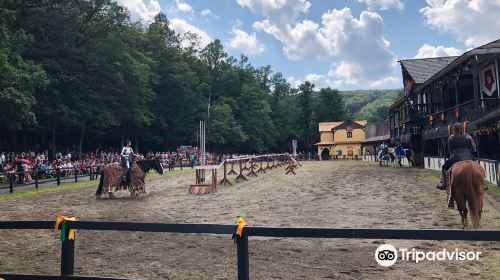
68,246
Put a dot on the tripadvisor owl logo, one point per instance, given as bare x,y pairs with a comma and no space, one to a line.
386,255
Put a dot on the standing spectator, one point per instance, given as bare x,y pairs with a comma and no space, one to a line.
171,163
2,161
193,160
20,161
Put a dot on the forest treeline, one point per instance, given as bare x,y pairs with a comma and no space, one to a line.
81,75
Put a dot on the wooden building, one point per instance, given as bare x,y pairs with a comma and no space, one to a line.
376,134
341,139
441,91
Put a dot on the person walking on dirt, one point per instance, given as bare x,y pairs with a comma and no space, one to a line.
462,147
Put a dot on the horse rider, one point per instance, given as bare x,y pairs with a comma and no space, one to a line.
400,153
384,149
462,147
126,155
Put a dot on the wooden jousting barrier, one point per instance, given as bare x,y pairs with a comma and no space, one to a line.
248,163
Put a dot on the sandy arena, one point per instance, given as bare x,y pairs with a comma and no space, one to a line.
322,194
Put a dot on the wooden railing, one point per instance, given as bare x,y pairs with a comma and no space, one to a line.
68,246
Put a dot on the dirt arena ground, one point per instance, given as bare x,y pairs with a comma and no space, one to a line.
322,194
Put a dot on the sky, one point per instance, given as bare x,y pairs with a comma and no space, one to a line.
343,44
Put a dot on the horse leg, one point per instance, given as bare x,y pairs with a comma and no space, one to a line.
98,192
463,213
462,208
450,198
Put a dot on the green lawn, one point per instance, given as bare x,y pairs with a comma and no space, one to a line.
64,186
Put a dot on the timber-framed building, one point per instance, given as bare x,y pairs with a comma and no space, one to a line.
441,91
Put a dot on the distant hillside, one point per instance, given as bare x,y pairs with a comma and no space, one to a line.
370,105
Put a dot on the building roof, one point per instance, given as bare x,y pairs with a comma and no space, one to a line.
328,126
427,70
490,48
424,68
377,139
324,143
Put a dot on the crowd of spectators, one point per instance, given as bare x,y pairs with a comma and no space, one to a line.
21,165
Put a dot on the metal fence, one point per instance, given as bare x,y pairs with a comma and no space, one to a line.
41,177
68,246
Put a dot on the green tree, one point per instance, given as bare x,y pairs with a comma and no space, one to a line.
19,77
304,102
223,132
329,106
255,119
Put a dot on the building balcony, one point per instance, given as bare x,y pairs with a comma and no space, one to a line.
461,113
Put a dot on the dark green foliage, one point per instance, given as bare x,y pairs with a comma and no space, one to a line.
370,105
329,106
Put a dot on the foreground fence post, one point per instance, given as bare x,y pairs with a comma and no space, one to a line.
67,256
243,260
76,174
36,179
12,177
58,176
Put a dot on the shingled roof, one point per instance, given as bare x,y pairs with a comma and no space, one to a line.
490,48
424,68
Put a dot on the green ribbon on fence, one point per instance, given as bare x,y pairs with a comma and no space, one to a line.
64,228
61,224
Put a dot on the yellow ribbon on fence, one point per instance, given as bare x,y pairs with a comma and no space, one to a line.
61,224
241,224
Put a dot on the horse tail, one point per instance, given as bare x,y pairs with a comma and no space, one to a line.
472,189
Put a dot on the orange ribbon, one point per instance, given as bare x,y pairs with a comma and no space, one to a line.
241,224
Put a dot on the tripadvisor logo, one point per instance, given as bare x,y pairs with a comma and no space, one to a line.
387,255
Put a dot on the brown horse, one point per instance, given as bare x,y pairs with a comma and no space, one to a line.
111,178
467,188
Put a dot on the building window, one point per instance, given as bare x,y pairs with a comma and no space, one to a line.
349,134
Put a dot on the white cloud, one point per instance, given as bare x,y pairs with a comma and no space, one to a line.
473,22
182,27
332,83
295,83
183,7
277,11
208,13
312,77
141,9
427,51
360,44
319,81
247,43
383,4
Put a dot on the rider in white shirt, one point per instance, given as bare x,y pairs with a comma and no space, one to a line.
126,155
